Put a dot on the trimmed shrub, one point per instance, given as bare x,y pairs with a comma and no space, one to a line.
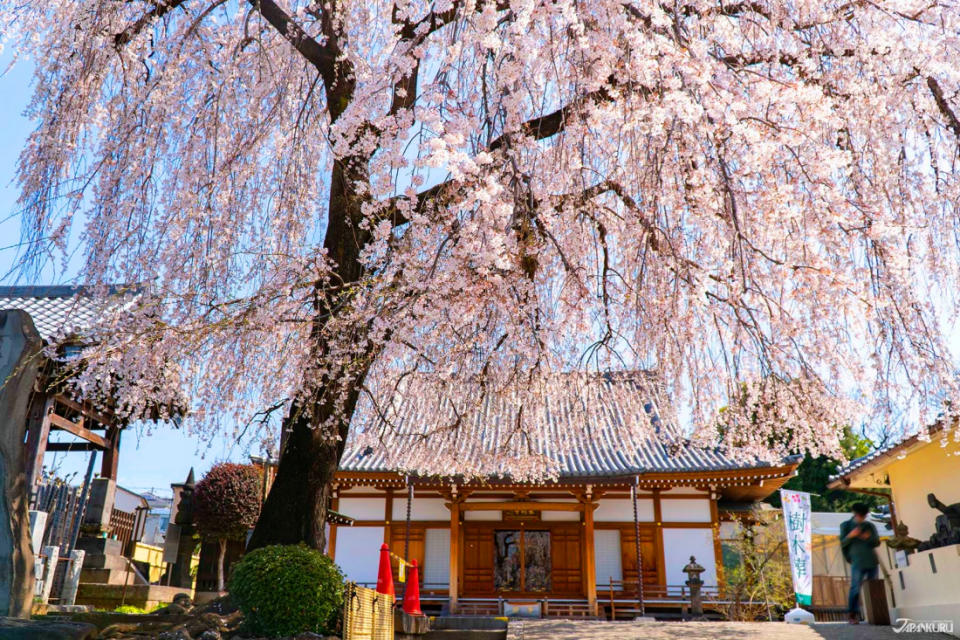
226,504
284,590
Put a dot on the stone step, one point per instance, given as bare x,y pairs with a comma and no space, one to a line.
109,576
104,561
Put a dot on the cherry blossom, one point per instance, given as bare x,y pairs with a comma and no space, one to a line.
316,200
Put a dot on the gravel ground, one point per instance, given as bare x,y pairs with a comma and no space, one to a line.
593,630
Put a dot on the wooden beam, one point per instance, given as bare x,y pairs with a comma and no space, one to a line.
77,429
454,554
37,436
83,410
589,558
72,446
521,506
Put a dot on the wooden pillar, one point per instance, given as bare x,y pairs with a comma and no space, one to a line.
717,547
332,542
37,438
387,516
658,538
589,556
111,456
636,533
454,553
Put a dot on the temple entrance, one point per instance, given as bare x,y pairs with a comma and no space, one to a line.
532,559
522,561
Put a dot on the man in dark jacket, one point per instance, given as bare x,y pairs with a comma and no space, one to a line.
858,539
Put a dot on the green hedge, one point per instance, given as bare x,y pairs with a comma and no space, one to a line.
288,589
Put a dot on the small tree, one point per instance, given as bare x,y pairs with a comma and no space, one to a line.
759,582
226,506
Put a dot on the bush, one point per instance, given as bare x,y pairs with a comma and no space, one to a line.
288,589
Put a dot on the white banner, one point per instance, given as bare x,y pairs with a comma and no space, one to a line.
796,517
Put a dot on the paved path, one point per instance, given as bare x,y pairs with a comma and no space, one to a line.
594,630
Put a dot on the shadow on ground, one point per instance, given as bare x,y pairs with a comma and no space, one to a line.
598,630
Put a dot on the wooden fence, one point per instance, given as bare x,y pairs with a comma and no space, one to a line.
367,615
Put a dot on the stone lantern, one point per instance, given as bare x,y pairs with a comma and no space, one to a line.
693,571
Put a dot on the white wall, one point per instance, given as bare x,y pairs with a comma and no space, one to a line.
607,554
481,515
436,559
926,595
621,510
363,508
679,545
358,552
685,510
560,516
422,509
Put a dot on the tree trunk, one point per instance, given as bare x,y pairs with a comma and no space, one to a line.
221,587
296,508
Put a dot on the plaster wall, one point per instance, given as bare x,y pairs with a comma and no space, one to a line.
685,510
928,469
422,509
362,509
621,510
358,552
927,591
680,544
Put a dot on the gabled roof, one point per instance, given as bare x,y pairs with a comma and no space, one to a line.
590,425
858,466
58,310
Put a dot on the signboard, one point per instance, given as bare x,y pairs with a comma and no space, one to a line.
796,516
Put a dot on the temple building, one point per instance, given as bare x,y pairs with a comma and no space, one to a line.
567,545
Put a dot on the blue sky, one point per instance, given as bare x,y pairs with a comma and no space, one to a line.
150,456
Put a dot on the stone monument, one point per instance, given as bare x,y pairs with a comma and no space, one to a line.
183,533
20,346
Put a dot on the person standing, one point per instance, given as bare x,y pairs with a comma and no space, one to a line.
858,541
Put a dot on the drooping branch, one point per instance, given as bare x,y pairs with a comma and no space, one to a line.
415,33
952,121
159,10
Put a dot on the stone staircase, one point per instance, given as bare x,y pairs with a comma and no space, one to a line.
109,579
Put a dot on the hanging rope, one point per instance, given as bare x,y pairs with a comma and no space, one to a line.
636,532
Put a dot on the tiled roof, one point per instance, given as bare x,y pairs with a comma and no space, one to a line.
600,406
858,464
56,310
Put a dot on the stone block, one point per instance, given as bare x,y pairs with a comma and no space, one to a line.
97,516
38,522
101,546
101,561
